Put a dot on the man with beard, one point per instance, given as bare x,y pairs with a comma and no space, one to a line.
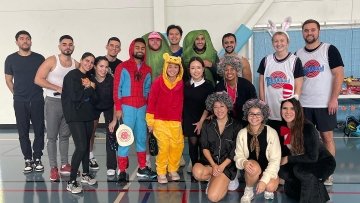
198,43
229,44
156,47
20,70
174,34
113,48
50,76
132,82
323,77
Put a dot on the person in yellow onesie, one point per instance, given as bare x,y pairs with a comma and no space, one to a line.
163,117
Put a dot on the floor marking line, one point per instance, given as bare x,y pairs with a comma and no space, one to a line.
126,187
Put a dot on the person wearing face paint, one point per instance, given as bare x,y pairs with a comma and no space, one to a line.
104,90
198,43
78,98
309,163
279,72
217,139
196,90
258,152
50,76
229,44
20,70
239,89
323,77
164,116
174,34
132,80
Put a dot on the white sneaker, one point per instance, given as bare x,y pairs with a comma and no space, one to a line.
110,172
268,195
74,187
88,179
248,195
329,181
234,184
189,167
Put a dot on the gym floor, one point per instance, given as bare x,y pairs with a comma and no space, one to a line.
37,187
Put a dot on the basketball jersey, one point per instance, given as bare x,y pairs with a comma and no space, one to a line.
317,86
276,74
56,76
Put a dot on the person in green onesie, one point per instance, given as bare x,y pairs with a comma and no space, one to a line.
198,43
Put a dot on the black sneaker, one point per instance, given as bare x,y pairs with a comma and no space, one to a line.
122,177
93,164
146,173
39,167
28,166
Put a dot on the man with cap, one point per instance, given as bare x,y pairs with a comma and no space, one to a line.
156,46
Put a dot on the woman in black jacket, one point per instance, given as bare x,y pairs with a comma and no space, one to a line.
309,163
105,104
218,142
78,99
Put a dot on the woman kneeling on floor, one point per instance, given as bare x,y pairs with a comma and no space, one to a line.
258,151
218,146
309,163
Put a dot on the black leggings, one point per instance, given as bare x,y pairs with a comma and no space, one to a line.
195,152
81,133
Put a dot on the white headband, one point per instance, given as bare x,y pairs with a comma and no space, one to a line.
272,29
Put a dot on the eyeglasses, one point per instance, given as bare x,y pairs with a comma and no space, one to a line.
257,115
138,76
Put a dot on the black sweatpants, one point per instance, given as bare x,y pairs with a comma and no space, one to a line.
25,112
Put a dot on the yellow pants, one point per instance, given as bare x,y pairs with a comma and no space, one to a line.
171,144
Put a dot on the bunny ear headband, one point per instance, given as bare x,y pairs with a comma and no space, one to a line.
272,29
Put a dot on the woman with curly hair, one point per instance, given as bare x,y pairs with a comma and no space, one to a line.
239,89
218,146
258,151
309,163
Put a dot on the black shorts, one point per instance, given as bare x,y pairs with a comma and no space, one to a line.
321,119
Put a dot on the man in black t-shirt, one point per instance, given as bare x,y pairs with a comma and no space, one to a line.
113,48
20,71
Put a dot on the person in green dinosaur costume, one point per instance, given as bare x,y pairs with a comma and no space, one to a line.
198,43
156,46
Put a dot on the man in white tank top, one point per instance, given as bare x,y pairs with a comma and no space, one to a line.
323,77
50,76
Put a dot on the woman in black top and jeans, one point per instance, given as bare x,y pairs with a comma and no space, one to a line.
78,99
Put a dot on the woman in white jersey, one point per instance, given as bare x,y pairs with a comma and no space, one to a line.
279,72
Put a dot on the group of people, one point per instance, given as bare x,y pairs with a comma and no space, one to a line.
172,92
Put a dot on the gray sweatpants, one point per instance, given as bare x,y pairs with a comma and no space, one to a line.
56,126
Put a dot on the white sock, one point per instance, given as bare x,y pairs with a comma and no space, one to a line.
91,155
249,188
